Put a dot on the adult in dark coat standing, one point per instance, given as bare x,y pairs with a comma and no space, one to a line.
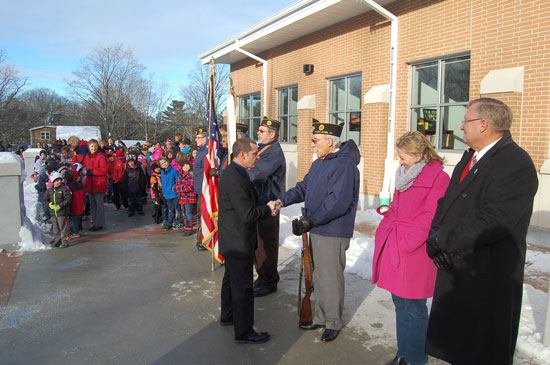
269,178
238,214
477,241
198,174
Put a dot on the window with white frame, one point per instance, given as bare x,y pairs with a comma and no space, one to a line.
45,136
287,113
250,113
439,97
345,105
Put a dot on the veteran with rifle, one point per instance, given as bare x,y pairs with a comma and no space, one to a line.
330,192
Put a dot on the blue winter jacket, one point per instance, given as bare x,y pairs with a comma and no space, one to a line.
168,179
330,191
269,175
198,168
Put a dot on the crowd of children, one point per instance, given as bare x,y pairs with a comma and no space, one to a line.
163,169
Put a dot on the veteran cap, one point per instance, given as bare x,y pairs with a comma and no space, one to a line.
200,130
330,129
270,123
243,128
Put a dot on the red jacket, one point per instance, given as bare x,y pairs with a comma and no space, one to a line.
97,182
116,170
80,152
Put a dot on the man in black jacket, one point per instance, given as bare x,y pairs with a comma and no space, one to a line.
238,214
477,241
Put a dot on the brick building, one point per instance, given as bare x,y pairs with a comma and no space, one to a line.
333,60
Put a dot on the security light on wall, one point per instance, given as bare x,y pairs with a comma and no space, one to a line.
308,69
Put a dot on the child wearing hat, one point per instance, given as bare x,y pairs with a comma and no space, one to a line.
58,199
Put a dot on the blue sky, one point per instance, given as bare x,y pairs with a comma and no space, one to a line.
46,40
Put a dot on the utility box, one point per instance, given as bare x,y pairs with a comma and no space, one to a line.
11,196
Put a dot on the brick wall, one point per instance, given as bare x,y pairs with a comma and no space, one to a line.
498,33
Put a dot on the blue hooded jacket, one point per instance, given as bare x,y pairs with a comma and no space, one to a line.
168,179
330,191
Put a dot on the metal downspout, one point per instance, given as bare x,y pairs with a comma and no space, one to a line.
264,63
385,193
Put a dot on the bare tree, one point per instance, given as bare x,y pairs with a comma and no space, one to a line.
107,81
10,85
150,99
195,94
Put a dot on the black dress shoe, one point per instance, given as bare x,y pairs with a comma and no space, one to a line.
397,360
255,338
263,291
200,247
226,323
310,326
329,335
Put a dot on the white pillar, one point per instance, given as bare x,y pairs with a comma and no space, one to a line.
30,154
11,196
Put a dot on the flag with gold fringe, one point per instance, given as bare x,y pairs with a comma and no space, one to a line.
209,201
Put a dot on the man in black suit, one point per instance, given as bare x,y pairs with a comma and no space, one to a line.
477,242
238,214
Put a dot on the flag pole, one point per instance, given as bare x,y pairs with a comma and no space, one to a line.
213,67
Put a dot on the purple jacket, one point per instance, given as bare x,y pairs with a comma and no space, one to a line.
400,262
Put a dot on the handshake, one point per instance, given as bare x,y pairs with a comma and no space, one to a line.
275,206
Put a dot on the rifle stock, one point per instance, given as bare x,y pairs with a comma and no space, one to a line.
304,311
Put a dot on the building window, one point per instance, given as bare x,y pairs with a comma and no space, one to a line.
439,97
45,136
345,105
287,113
250,113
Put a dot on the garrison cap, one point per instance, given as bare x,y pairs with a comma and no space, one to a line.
201,130
330,129
243,128
270,123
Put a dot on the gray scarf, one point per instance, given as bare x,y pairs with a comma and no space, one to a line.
405,178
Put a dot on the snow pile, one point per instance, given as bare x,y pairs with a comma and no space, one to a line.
81,131
359,261
8,157
32,231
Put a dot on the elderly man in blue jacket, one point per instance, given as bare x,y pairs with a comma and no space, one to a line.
198,172
330,192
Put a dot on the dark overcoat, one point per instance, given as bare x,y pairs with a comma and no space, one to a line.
482,222
238,213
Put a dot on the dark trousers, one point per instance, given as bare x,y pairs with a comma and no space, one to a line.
266,255
134,202
237,296
74,223
118,195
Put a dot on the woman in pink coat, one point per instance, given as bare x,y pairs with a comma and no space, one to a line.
400,263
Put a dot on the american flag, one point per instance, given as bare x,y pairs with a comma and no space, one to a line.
209,201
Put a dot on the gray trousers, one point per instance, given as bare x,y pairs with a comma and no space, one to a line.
329,259
97,210
60,229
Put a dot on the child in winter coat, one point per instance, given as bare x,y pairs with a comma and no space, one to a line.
133,181
58,199
169,176
116,171
77,203
187,197
156,192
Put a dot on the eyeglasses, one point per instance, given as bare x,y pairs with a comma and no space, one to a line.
470,120
262,131
200,137
315,140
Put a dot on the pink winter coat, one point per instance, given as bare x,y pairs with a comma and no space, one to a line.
400,262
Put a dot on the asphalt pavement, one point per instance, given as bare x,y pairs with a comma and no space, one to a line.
135,294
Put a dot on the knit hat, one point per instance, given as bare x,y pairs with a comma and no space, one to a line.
55,175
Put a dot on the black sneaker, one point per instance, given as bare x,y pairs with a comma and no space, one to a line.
167,227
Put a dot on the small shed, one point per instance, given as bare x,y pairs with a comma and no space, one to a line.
43,134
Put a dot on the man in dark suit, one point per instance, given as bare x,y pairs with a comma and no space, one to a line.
238,214
477,241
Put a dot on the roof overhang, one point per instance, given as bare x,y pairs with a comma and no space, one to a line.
293,22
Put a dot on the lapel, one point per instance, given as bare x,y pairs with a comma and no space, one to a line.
456,188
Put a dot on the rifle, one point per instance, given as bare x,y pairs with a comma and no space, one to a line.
306,264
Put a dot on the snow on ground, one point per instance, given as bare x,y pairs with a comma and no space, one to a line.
32,233
379,308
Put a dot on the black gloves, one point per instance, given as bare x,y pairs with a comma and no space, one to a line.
441,258
88,172
302,225
213,172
